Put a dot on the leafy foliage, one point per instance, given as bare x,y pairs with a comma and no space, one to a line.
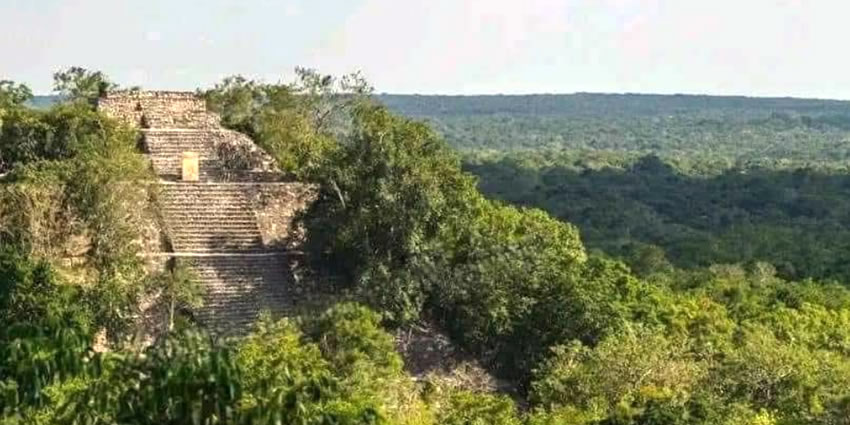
465,408
77,84
46,334
654,212
13,94
76,189
296,123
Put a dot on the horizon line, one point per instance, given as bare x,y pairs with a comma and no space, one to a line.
577,93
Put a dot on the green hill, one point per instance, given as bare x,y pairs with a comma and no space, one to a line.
43,102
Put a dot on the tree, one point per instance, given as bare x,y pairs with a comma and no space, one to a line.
506,284
238,101
12,94
621,376
63,132
77,84
390,190
299,124
180,288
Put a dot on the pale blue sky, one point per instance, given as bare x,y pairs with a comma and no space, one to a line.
749,47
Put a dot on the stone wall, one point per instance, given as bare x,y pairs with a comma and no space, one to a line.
238,154
158,109
276,207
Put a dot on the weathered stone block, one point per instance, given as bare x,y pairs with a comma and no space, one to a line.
191,167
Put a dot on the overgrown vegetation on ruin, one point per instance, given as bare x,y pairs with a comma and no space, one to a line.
583,337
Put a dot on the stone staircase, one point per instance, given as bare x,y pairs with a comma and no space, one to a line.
210,218
241,286
165,149
211,225
213,228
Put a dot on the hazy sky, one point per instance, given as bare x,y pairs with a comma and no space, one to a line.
751,47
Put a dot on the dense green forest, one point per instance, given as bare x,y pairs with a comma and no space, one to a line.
738,128
693,214
711,291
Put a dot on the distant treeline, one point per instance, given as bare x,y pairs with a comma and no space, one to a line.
732,127
606,105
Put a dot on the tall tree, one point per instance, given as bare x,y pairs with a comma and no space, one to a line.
13,94
77,84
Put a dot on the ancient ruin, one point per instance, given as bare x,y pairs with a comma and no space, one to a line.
233,225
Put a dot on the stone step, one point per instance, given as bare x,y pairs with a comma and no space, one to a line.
208,187
176,203
223,197
207,194
179,146
237,186
201,249
211,231
245,219
204,205
192,211
176,173
241,215
236,193
219,195
212,244
239,287
209,205
180,200
223,239
241,193
209,165
177,150
216,241
164,136
236,217
223,226
203,228
207,241
177,155
206,236
212,222
207,223
177,139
